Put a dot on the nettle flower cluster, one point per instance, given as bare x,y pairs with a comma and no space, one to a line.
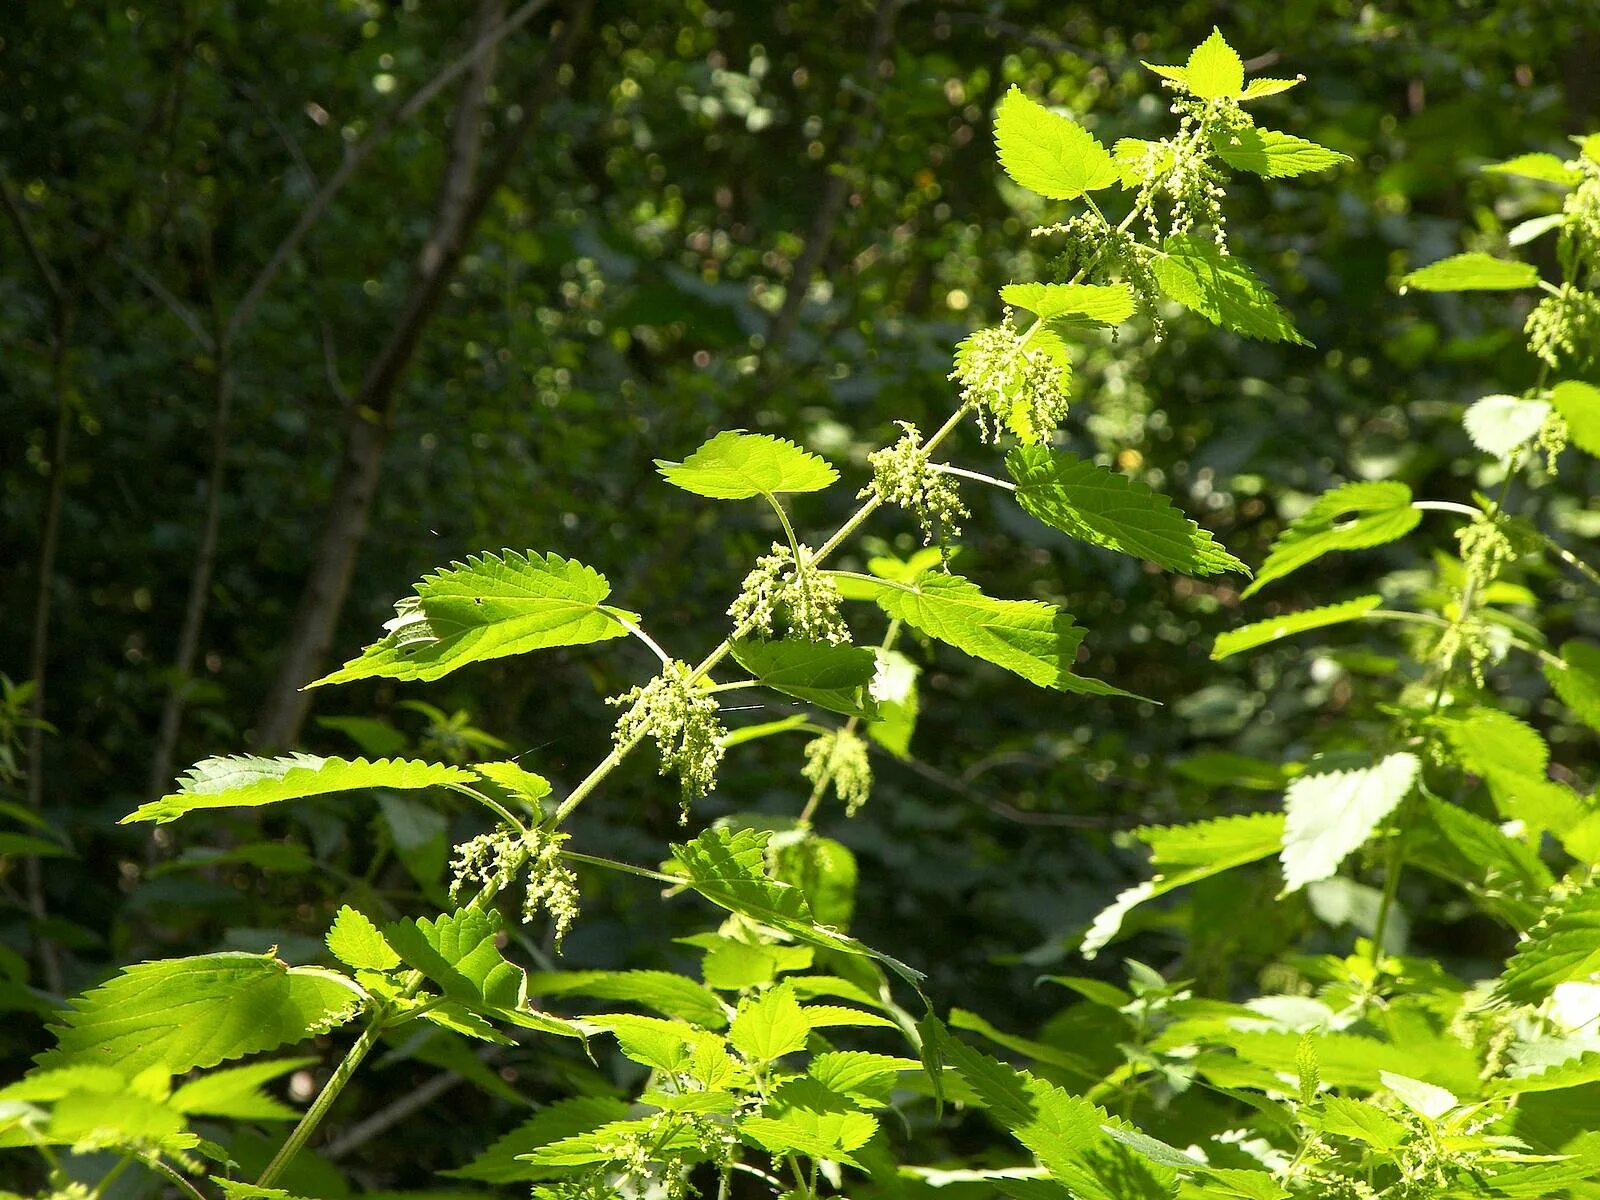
1564,328
495,860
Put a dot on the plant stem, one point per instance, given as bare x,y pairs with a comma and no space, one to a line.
1391,888
666,659
314,1115
979,476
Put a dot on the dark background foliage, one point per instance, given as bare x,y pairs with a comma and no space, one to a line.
631,287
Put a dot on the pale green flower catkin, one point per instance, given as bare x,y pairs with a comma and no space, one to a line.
839,758
681,718
902,475
1564,329
781,594
1011,384
497,859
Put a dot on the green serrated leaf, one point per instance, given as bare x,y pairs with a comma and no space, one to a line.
805,1117
1262,633
493,606
667,993
1214,70
837,678
1029,638
1504,873
235,1093
245,781
1109,510
1259,88
735,465
1577,680
523,786
355,941
729,869
1274,155
1503,425
1356,516
459,952
1332,814
1361,1122
769,1025
1544,167
1564,946
183,1013
1106,304
864,1077
1048,153
1579,406
1198,275
1068,1134
1187,854
1473,272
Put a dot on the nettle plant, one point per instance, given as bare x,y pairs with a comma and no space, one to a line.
1377,1074
773,1070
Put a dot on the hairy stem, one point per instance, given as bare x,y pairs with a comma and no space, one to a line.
313,1116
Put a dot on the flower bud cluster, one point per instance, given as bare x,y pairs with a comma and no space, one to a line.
839,758
1010,384
783,593
903,476
681,718
1564,329
1552,439
496,859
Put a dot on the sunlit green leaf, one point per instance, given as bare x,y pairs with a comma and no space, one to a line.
1048,153
1112,511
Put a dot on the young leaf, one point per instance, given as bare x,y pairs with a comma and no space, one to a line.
1356,516
1474,272
833,677
245,781
1034,640
1329,815
1262,633
1502,425
1565,946
493,606
523,786
355,941
459,952
736,465
770,1025
669,994
182,1013
1577,681
805,1117
865,1078
1214,70
1256,89
1359,1122
1425,1099
1544,167
1198,275
1187,854
1109,510
1579,406
1107,304
1048,153
1274,155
